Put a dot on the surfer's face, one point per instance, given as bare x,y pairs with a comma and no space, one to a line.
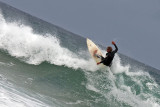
109,49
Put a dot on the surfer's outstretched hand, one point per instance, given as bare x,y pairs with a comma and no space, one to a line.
98,63
113,43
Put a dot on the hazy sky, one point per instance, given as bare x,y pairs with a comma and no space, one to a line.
133,24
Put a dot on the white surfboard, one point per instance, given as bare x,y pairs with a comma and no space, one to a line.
92,48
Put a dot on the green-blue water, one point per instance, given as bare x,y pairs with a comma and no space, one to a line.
42,65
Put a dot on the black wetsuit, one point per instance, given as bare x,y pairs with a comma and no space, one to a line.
109,57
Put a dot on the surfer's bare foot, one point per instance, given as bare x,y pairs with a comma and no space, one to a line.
94,53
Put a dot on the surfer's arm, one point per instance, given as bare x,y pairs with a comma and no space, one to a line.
101,61
115,46
98,63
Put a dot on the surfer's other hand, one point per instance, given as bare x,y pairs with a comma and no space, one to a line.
98,63
113,43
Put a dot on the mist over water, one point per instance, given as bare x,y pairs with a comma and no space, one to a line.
38,71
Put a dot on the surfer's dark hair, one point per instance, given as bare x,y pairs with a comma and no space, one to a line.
109,48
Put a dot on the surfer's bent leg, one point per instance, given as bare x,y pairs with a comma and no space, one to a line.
102,58
99,56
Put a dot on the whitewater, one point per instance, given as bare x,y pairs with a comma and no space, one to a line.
50,69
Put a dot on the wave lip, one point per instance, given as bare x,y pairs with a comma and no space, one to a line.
21,42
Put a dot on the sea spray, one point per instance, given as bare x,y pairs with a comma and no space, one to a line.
21,42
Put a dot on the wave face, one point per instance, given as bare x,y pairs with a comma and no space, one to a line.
43,65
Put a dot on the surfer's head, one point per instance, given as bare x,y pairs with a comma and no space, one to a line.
109,49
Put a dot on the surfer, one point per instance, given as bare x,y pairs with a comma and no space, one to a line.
109,55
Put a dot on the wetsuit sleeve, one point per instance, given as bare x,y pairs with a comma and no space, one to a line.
116,48
102,59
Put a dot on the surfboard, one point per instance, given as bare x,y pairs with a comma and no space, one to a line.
92,47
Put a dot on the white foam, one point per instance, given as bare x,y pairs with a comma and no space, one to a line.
20,41
74,103
10,97
115,82
91,87
117,67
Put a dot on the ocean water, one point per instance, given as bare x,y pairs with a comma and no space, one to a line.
42,65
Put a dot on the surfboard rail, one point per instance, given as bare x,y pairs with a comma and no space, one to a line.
92,47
